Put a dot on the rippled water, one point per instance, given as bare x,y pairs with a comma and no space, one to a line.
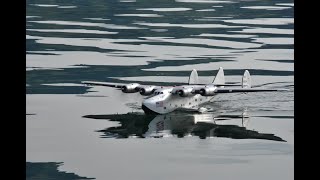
159,42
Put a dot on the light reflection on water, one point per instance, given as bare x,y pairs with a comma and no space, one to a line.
181,125
266,7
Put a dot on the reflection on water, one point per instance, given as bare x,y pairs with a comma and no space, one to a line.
181,125
48,170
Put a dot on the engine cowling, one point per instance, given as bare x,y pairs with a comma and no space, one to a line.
130,88
207,91
184,92
146,90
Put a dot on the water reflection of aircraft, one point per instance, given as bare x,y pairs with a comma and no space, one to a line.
182,125
166,99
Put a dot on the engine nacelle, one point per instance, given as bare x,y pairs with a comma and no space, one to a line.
130,88
184,92
146,90
207,91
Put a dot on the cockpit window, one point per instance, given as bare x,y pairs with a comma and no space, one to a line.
161,93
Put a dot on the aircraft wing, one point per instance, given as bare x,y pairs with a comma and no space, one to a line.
95,83
242,90
145,90
116,85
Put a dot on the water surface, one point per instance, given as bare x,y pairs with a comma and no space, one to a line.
157,42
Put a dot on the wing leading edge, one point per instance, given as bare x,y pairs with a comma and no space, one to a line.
144,90
116,85
242,90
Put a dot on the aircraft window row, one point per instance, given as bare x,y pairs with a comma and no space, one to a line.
156,93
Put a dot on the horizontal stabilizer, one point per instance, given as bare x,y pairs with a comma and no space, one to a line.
227,84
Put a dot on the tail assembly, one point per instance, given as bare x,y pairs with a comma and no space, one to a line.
193,78
246,86
246,79
219,79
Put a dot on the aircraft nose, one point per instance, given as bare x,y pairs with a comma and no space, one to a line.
148,107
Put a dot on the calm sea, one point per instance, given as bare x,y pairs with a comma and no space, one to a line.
79,132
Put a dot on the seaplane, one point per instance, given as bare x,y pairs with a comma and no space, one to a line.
188,97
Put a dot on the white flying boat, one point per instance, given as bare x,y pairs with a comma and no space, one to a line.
166,99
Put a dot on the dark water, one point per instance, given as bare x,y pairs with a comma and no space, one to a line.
158,42
48,170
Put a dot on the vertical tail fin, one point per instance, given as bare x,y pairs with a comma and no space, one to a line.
246,79
193,78
219,79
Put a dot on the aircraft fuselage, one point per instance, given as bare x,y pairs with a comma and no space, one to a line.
165,100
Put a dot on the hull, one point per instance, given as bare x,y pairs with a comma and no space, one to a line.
174,102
